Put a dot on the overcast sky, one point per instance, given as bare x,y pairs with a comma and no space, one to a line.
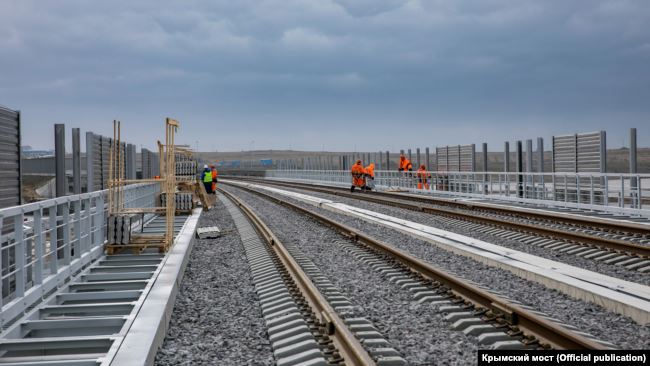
332,74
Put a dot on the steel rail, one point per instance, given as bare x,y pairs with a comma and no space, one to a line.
501,310
550,232
349,347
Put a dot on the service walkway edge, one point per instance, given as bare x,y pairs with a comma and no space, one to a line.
150,326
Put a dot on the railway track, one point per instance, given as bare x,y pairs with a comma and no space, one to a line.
495,319
623,244
303,316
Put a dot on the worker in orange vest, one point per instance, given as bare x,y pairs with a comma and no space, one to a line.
370,176
214,179
358,179
405,164
423,177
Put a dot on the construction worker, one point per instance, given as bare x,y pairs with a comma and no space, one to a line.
370,176
358,179
214,179
423,177
405,164
206,177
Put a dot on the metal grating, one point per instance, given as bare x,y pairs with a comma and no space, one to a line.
10,162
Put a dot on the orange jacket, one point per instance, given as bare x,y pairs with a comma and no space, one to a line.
404,163
357,172
370,170
423,174
214,173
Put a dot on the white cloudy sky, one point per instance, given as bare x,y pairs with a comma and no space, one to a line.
333,74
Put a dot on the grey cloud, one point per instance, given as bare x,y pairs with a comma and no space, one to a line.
446,70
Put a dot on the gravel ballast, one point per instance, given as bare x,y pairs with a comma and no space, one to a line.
216,319
434,221
588,317
417,331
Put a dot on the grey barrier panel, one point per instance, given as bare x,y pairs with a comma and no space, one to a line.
149,164
59,148
459,158
10,160
131,162
506,157
97,162
76,161
580,153
417,157
106,151
144,163
410,157
90,153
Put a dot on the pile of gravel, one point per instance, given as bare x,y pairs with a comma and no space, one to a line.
434,221
216,318
588,317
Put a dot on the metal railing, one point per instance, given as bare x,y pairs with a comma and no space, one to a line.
44,243
616,193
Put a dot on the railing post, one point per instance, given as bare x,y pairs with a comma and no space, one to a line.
67,250
54,239
621,199
76,252
39,246
19,250
99,240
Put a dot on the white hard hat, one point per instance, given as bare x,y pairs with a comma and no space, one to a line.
205,166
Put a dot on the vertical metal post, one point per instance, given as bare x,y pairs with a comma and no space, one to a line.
633,166
485,157
540,167
19,250
528,184
59,156
381,161
603,151
520,167
506,157
90,153
417,154
633,152
540,155
410,157
39,246
529,156
485,167
426,159
387,160
76,162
